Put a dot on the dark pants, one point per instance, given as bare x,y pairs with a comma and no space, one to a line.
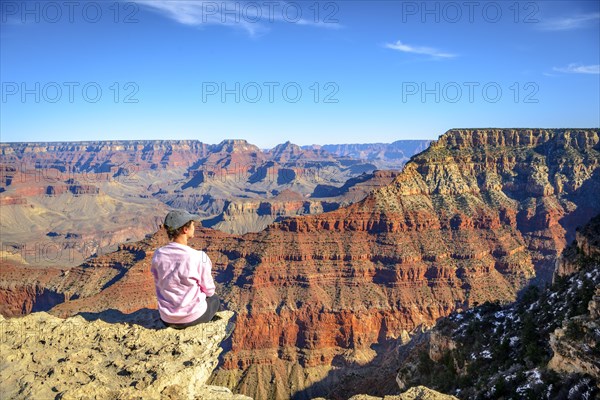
213,303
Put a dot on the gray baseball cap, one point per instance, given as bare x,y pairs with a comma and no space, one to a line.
177,218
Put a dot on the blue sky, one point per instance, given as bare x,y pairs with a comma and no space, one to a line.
305,71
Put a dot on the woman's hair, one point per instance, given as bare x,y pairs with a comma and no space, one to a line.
173,233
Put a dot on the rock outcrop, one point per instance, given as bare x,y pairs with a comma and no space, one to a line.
585,248
114,356
575,345
414,393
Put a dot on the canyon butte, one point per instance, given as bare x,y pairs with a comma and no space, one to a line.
476,217
87,197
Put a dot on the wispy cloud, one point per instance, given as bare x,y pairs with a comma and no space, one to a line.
202,13
429,51
569,23
578,69
253,17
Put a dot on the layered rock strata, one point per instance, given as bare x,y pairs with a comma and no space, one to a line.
253,215
545,345
109,192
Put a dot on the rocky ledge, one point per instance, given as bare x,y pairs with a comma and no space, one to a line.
414,393
110,356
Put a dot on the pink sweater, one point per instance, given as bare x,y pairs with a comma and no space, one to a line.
183,279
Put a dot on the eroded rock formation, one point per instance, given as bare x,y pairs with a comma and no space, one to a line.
574,344
415,393
109,192
543,345
110,356
253,215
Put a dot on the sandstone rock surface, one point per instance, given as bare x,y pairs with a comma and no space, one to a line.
414,393
45,357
